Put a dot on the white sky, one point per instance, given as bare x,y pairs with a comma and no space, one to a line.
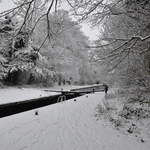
91,33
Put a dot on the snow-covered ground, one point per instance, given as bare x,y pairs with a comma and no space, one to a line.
19,94
70,125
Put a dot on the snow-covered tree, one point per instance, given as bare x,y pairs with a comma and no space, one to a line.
66,50
124,36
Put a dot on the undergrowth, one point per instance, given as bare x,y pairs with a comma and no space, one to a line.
128,111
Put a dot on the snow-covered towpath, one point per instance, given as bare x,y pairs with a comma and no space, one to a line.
70,125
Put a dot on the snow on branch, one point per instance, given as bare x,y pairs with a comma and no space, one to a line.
120,53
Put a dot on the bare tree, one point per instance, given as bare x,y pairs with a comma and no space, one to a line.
124,35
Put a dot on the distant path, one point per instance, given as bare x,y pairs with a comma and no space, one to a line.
65,126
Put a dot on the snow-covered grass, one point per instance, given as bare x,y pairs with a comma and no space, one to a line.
129,117
70,125
12,94
20,94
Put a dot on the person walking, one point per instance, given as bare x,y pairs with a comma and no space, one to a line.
105,88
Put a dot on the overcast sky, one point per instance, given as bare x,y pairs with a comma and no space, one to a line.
91,33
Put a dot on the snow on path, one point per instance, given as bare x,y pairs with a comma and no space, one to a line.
70,125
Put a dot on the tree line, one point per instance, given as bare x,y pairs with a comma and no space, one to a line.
41,45
121,54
